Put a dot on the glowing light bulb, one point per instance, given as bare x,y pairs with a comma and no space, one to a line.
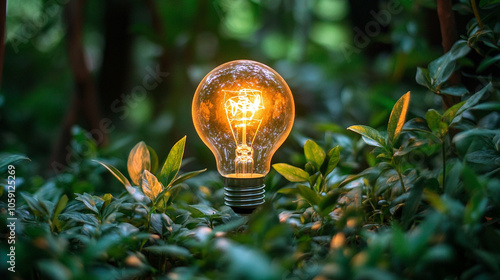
243,111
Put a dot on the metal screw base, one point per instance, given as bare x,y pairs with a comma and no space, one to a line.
243,195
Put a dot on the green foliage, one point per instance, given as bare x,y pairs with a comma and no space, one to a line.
389,153
291,173
413,193
440,70
7,159
173,163
160,192
398,117
397,218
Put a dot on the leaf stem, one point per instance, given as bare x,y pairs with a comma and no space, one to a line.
476,13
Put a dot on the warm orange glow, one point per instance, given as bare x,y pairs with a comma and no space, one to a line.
243,111
241,107
243,104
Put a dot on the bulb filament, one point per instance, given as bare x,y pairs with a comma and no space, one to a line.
241,109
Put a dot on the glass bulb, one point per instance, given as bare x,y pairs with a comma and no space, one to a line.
243,111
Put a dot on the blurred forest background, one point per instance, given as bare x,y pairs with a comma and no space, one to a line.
126,70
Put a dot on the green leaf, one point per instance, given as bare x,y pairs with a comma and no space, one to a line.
333,159
423,78
160,223
487,106
453,186
488,157
417,124
309,195
433,119
7,159
291,173
169,250
450,114
398,117
412,203
138,161
89,201
137,194
36,206
187,176
154,159
473,100
173,163
290,190
88,219
150,185
61,204
115,173
314,153
230,225
488,60
475,208
454,90
475,132
370,134
441,69
459,49
109,207
202,209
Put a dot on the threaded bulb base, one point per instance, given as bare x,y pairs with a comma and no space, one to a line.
243,195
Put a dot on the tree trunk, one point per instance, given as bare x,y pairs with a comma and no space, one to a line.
449,36
115,68
165,59
84,102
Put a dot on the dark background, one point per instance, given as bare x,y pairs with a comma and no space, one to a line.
90,64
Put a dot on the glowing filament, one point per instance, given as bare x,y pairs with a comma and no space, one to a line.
241,107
